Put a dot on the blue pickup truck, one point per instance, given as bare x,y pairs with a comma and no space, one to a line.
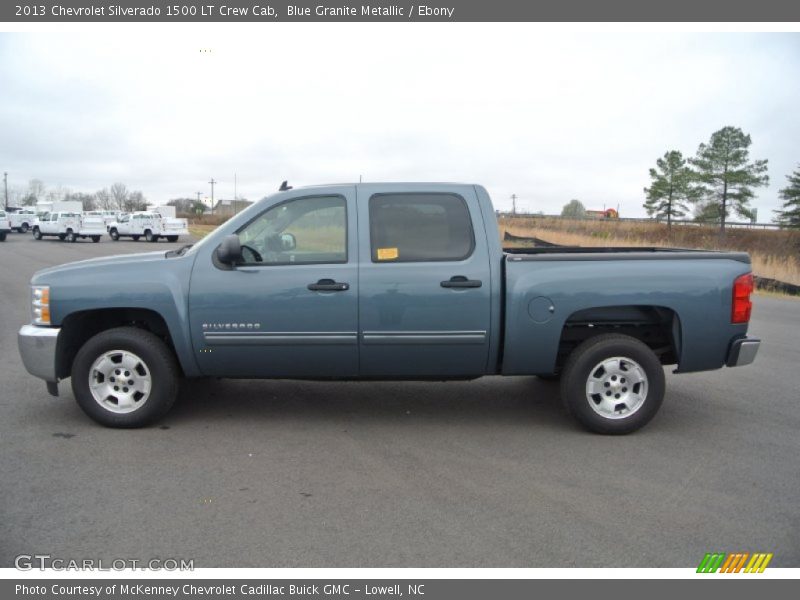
392,282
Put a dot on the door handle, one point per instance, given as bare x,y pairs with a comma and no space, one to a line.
459,281
328,285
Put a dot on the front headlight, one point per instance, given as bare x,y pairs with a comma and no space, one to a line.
40,304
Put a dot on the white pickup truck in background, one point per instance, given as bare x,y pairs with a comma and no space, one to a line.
69,226
149,224
5,225
22,220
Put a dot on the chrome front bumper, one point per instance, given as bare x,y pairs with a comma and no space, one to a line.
743,351
37,346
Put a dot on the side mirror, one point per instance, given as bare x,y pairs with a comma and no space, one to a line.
229,252
288,242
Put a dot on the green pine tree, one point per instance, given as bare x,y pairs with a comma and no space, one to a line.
790,215
725,174
670,189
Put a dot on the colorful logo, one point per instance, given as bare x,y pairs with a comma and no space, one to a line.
734,562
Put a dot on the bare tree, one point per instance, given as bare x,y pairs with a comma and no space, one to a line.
119,196
36,190
103,199
135,201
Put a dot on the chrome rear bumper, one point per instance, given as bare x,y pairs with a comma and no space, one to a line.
743,351
37,346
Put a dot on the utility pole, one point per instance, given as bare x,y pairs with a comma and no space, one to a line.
212,182
5,185
198,195
513,204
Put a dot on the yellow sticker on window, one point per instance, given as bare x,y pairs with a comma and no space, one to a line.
387,253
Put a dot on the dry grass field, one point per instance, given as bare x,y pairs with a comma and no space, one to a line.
775,254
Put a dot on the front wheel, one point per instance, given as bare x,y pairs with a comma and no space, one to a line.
95,238
172,238
125,377
24,228
114,234
135,238
62,236
37,235
612,384
2,236
72,237
148,235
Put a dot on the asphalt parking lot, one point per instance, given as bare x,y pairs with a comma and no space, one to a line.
464,474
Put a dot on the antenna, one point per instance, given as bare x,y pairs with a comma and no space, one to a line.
285,187
513,204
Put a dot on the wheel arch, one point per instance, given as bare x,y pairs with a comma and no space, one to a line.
658,327
78,327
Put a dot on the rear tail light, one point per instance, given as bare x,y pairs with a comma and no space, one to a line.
742,288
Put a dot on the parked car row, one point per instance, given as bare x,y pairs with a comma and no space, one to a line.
71,226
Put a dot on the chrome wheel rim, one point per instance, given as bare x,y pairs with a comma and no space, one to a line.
120,381
616,387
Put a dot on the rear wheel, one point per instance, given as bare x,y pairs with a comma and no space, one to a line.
172,238
2,236
612,384
37,235
150,236
135,238
114,234
72,237
62,236
24,228
95,238
125,377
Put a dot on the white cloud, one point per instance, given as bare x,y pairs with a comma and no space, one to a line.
546,115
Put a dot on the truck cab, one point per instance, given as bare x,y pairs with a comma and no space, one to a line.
387,281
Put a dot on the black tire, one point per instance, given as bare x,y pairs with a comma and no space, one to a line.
37,235
583,364
24,228
62,236
135,238
152,351
95,239
148,235
2,236
172,238
72,237
114,234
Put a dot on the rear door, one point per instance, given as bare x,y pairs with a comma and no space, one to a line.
425,293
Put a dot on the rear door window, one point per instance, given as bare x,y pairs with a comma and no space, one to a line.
420,227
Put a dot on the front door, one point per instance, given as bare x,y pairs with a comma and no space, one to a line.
291,308
424,282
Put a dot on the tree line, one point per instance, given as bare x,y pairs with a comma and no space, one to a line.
719,180
115,197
